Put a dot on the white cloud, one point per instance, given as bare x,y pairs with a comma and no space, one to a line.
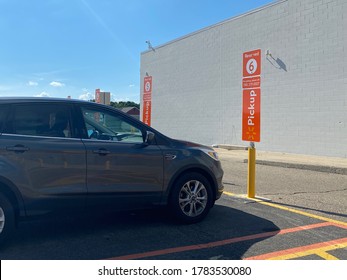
131,86
43,94
86,96
57,84
33,84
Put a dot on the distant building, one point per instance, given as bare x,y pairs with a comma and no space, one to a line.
132,111
102,97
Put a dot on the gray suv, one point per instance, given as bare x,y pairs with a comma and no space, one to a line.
61,154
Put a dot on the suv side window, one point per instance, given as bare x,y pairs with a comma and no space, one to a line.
39,119
104,125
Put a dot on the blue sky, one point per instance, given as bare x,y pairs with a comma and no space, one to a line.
71,47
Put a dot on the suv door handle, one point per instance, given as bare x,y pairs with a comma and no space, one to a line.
102,152
17,149
170,156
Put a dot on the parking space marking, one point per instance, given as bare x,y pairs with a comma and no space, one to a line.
274,205
221,242
319,249
326,255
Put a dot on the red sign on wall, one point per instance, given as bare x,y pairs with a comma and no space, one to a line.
146,113
147,100
252,63
252,82
251,115
147,84
147,97
251,96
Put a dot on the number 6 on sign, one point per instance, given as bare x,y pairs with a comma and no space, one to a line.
251,66
251,63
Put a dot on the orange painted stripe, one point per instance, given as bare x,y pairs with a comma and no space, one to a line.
221,242
339,225
298,249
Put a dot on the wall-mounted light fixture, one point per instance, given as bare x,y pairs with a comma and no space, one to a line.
150,45
276,62
268,53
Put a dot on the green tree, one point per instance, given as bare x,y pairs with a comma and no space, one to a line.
122,104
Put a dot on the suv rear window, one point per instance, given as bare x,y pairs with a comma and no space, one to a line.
51,120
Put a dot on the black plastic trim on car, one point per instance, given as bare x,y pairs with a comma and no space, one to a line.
192,168
11,191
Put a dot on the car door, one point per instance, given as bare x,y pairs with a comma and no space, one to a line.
122,171
41,157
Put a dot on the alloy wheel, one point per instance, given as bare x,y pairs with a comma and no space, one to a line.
193,198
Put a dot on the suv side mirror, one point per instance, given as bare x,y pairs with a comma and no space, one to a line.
149,137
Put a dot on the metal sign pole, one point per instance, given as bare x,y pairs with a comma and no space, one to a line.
251,170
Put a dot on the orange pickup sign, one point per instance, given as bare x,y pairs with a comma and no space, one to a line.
251,115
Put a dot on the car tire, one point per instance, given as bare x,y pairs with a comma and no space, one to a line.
191,198
7,219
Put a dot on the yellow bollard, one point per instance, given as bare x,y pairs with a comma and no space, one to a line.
251,172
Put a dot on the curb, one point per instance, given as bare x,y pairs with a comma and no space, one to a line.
231,147
319,168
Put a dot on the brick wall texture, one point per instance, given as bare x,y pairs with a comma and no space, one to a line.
197,90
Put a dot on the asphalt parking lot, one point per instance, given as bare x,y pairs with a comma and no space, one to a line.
261,231
307,224
237,228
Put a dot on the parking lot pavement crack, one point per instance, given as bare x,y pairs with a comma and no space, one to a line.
231,184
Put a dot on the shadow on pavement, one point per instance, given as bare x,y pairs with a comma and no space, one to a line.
121,234
310,209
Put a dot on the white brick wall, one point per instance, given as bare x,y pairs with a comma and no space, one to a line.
197,79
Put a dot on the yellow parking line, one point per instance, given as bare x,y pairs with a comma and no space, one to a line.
297,252
326,255
288,209
322,252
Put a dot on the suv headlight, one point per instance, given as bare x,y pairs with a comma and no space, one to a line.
211,153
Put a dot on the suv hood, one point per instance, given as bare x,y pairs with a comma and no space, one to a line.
183,143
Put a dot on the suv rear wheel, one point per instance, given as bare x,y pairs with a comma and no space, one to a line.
7,220
191,198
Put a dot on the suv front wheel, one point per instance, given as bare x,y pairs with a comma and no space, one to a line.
191,198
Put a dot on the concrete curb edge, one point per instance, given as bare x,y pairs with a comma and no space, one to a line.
319,168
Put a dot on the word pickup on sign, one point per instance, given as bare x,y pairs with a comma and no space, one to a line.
251,115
